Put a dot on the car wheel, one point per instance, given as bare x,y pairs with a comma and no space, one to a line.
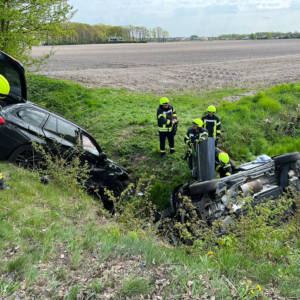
203,187
25,157
119,186
286,158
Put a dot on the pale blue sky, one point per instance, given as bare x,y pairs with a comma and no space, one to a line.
187,17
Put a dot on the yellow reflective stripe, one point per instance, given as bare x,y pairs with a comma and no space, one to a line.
162,151
219,123
1,176
218,131
227,166
161,129
228,174
161,115
168,122
174,115
217,168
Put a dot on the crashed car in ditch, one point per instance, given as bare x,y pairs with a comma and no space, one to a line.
23,122
217,199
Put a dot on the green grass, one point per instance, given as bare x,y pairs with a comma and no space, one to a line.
56,243
135,287
124,124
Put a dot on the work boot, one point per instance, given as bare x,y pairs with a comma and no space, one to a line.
163,154
172,151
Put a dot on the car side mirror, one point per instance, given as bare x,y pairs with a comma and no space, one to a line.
102,156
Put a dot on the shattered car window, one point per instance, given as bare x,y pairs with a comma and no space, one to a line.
89,146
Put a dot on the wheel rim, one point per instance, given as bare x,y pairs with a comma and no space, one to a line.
27,159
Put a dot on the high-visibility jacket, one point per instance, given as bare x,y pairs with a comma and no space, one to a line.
212,124
165,118
193,136
222,168
2,185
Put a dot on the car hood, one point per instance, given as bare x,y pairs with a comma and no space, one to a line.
14,72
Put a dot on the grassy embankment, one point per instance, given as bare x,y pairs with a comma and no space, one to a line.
125,125
55,242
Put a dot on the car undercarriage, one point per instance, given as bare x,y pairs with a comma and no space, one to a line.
222,199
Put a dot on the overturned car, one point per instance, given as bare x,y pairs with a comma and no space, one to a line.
23,123
217,199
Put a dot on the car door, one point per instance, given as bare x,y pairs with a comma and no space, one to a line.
61,135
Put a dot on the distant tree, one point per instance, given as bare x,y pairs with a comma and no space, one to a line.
159,31
269,35
24,24
253,36
194,37
154,35
165,35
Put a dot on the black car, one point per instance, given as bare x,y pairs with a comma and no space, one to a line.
23,122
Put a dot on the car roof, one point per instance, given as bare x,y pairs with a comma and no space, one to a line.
33,105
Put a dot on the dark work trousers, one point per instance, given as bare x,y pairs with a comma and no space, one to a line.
162,140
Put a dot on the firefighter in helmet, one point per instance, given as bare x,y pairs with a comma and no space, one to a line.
224,166
4,91
212,122
167,125
194,135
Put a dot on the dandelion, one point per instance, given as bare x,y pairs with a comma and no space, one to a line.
133,234
259,288
252,292
249,281
209,253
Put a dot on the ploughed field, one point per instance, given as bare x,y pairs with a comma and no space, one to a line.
180,66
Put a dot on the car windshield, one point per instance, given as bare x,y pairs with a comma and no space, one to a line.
89,146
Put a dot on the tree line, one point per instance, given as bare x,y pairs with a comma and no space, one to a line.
80,33
260,36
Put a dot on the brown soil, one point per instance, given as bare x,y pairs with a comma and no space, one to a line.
161,67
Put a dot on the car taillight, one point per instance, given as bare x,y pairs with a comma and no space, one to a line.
2,121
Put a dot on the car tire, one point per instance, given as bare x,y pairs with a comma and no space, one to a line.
25,157
203,187
286,158
119,187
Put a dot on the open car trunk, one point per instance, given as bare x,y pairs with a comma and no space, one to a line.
14,72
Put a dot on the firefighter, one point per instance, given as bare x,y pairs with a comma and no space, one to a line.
223,164
167,125
2,184
4,91
194,135
4,87
212,123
